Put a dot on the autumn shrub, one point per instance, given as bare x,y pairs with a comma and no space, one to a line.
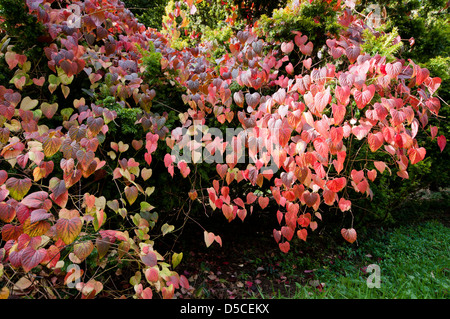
118,134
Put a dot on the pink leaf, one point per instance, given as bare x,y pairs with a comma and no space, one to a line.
442,141
344,204
31,257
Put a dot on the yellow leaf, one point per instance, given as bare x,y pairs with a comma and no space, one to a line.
176,259
166,228
4,293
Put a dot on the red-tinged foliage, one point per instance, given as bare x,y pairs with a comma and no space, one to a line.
300,123
349,235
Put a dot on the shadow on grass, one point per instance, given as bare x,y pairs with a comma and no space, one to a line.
412,257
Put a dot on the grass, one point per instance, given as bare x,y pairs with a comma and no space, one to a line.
413,261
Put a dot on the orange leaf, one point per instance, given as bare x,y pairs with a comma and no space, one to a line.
349,234
263,202
284,247
69,225
302,234
336,184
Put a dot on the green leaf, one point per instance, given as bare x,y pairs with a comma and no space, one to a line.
18,188
28,104
69,225
131,193
176,259
146,207
49,109
66,113
136,279
166,228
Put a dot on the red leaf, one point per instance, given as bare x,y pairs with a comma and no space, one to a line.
375,141
307,48
357,176
344,204
307,63
152,274
362,98
251,198
287,232
304,220
372,174
302,234
38,215
380,166
321,146
352,53
184,168
343,94
69,225
287,47
310,199
3,177
284,247
416,154
336,134
337,184
11,232
210,238
300,40
263,202
321,100
222,170
338,113
52,257
31,257
329,197
349,234
393,70
37,200
277,235
7,212
18,188
150,259
442,141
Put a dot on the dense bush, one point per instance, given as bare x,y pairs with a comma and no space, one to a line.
116,136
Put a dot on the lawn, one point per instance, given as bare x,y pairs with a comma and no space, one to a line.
413,262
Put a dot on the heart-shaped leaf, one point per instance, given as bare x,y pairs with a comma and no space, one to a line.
69,225
7,212
166,228
37,200
263,202
31,257
149,259
302,234
344,204
49,110
152,273
83,249
38,215
349,234
442,141
336,184
131,193
176,259
284,247
18,188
